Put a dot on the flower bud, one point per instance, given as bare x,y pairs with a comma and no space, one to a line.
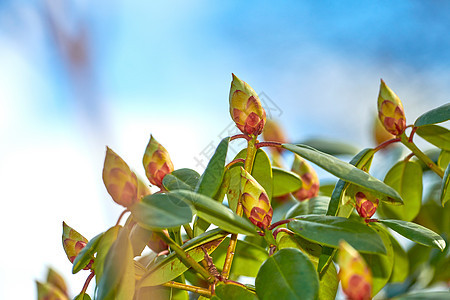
366,206
245,108
255,201
73,242
355,276
47,291
380,134
156,243
390,110
55,279
310,180
273,132
156,162
120,182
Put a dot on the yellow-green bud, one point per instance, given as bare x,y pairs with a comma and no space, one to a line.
245,108
366,204
55,279
255,201
355,276
390,110
73,242
310,180
120,182
47,291
157,162
380,133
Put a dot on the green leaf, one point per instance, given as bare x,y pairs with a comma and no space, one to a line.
211,179
416,233
247,259
329,281
185,179
444,159
425,295
316,206
118,280
445,191
234,292
345,171
331,147
401,263
285,182
329,230
162,210
380,265
171,266
262,171
434,116
102,250
288,274
234,189
82,296
436,135
86,254
216,213
406,178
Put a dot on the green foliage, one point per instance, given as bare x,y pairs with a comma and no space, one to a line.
181,242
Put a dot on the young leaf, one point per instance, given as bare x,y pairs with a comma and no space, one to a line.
184,179
86,254
416,233
211,179
445,190
329,230
288,274
118,280
425,295
406,178
162,210
434,116
103,247
262,171
315,206
436,135
345,171
171,266
215,213
233,291
284,182
82,296
332,147
444,159
401,262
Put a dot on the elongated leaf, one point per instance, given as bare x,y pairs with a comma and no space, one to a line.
328,282
216,213
185,179
139,238
345,171
444,159
117,281
315,206
425,295
262,171
102,250
234,189
436,135
406,178
401,262
434,116
445,190
171,266
211,179
288,274
329,230
331,147
233,291
161,210
416,233
247,258
380,265
285,182
86,254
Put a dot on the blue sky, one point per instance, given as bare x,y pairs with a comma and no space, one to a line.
166,69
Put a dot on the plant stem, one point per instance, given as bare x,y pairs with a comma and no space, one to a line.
248,166
190,288
270,239
282,222
238,160
121,215
386,143
188,230
420,155
268,144
185,257
88,280
238,136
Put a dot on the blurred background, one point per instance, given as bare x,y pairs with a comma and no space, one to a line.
76,76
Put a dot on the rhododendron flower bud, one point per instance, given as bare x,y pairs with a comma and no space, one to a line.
120,182
355,276
273,132
156,243
390,110
380,134
156,162
310,180
255,201
73,242
55,279
245,108
366,204
47,291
